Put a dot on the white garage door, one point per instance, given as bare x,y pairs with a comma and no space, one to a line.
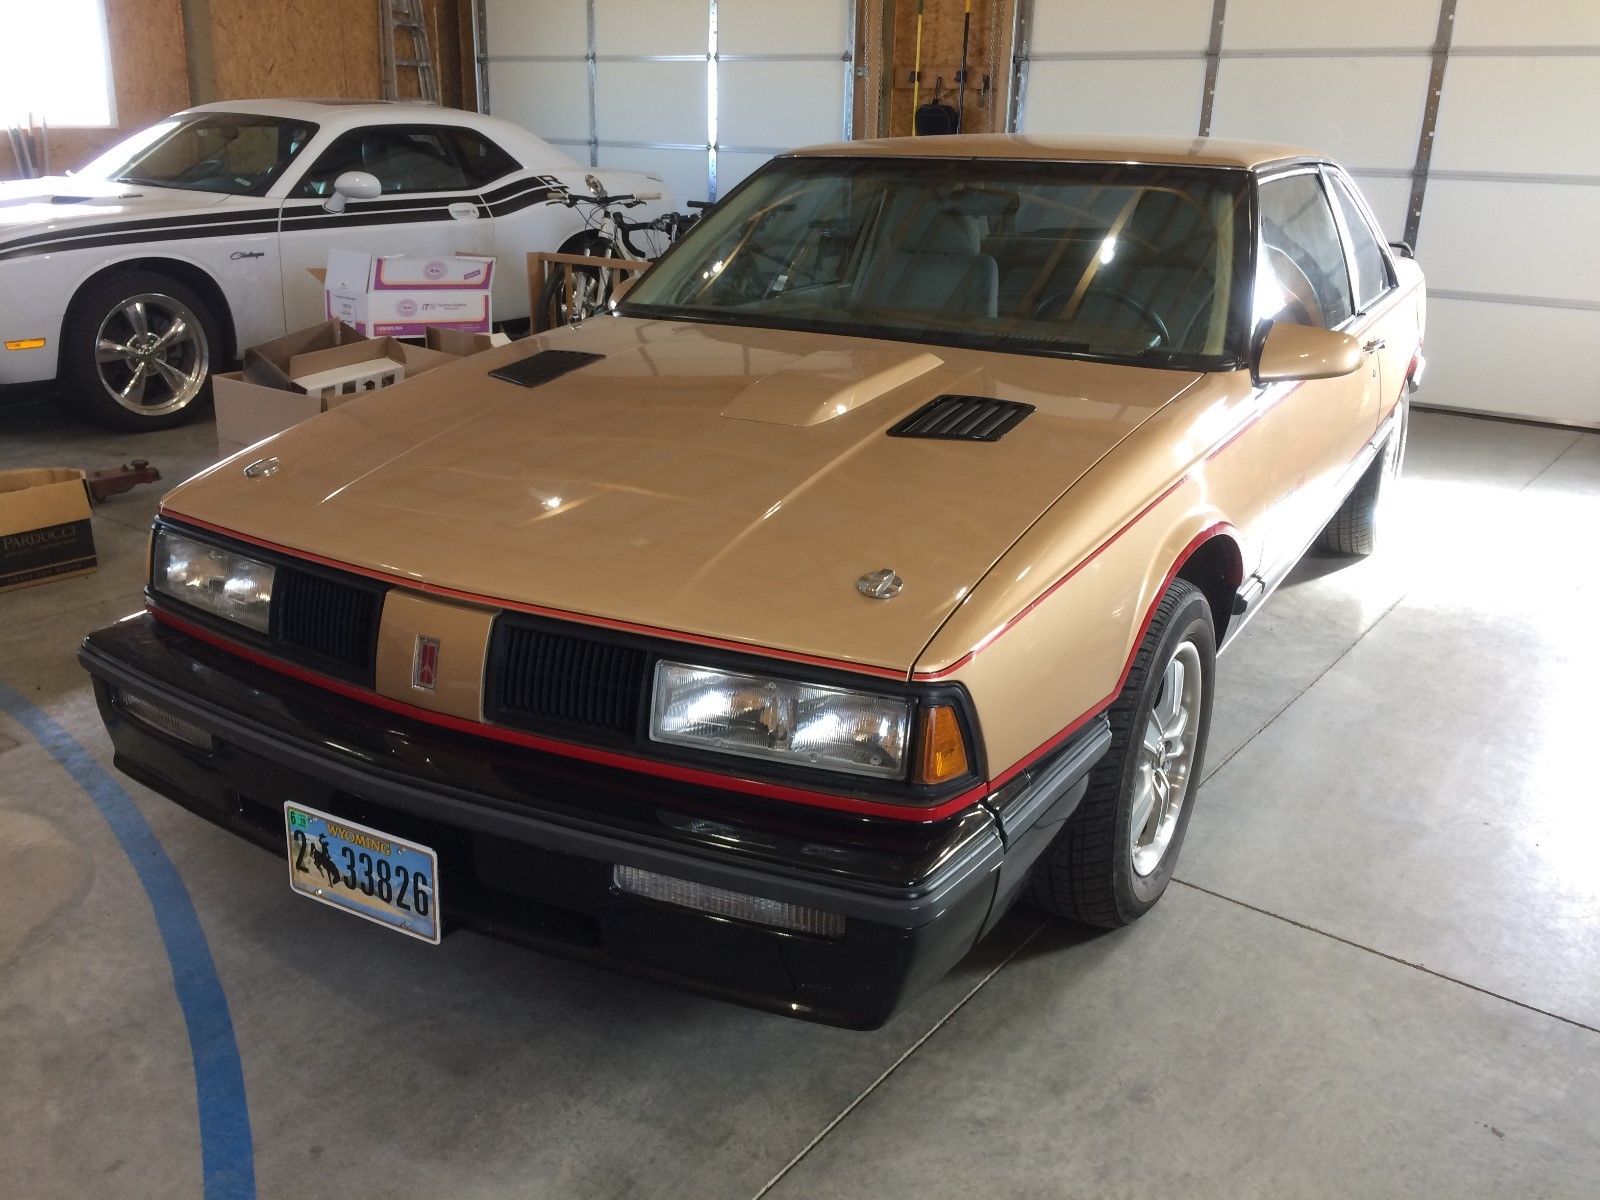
1497,181
701,92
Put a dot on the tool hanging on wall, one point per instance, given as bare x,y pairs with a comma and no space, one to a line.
916,72
936,117
405,16
961,75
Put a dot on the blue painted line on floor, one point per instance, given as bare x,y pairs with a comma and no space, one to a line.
227,1153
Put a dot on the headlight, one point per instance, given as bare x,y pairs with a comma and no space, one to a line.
780,720
213,580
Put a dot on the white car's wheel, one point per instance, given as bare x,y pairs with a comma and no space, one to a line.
137,351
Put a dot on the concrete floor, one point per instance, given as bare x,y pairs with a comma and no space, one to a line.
1378,973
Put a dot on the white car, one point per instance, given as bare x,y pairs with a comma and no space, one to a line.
135,278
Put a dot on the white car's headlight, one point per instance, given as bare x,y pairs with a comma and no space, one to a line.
214,580
781,720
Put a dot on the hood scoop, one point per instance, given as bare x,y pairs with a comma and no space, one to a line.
963,419
544,366
825,384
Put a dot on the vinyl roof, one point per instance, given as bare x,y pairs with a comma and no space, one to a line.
1196,151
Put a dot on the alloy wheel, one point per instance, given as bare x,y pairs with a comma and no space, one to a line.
1165,759
151,354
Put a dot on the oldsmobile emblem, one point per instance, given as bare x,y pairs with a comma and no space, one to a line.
425,664
261,468
882,584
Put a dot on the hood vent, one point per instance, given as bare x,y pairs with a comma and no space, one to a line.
544,366
963,419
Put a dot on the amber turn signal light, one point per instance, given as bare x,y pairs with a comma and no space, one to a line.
944,750
26,344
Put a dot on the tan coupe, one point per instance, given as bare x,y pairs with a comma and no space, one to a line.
863,573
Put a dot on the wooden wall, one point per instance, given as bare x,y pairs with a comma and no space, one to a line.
250,49
988,54
149,73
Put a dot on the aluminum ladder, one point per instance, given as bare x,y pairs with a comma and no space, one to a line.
397,17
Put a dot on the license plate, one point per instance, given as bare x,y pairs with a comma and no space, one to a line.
364,871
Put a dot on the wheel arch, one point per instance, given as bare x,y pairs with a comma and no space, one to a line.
1214,563
187,273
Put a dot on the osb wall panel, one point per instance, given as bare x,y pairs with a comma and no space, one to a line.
295,48
988,54
148,72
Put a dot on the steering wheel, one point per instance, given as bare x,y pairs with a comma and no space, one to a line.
1058,300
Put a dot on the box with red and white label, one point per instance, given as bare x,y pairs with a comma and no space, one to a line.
402,295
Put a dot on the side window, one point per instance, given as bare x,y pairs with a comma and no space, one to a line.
405,158
1372,269
1301,273
485,162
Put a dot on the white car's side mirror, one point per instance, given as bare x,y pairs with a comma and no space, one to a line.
352,185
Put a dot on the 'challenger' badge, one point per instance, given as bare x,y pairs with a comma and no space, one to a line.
425,664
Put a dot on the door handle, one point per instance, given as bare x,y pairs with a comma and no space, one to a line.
463,211
1373,345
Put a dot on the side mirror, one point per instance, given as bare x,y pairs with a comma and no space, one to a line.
1303,352
352,185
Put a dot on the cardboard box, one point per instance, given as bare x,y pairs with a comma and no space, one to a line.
460,343
402,295
263,398
44,526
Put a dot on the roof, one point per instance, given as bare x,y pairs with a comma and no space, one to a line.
1195,151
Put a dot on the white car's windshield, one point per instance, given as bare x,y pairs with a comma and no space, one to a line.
238,154
1102,260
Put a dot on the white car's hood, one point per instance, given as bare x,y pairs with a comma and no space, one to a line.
60,203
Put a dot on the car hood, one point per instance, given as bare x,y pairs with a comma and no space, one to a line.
723,482
65,203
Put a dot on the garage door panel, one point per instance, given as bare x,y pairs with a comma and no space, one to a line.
1479,237
1366,112
659,27
651,102
1526,23
1514,359
734,167
537,27
1388,197
552,99
780,103
782,27
683,171
1156,96
1523,115
1163,25
1300,24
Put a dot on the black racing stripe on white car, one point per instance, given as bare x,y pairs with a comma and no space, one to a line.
189,220
542,195
99,238
520,185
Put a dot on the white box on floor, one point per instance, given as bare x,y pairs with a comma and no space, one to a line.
402,295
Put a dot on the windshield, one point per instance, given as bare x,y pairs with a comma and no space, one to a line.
236,154
1102,260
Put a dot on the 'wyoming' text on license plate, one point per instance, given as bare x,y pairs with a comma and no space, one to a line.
363,871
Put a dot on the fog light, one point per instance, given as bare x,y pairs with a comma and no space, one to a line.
163,721
722,903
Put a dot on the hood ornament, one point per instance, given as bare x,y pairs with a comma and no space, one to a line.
261,468
882,584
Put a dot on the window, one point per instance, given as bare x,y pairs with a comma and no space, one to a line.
1105,260
238,154
485,162
55,66
405,158
1372,268
1301,276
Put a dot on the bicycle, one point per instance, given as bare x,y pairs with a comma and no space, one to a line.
612,237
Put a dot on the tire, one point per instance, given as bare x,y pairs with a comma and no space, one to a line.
1353,532
590,290
1101,871
162,384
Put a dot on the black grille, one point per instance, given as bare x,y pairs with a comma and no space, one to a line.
544,366
963,419
325,621
543,677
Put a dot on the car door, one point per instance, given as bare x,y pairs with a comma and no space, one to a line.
1312,430
431,203
1388,331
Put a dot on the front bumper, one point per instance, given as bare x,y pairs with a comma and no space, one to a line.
527,841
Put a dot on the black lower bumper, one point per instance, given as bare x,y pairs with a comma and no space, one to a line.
527,842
